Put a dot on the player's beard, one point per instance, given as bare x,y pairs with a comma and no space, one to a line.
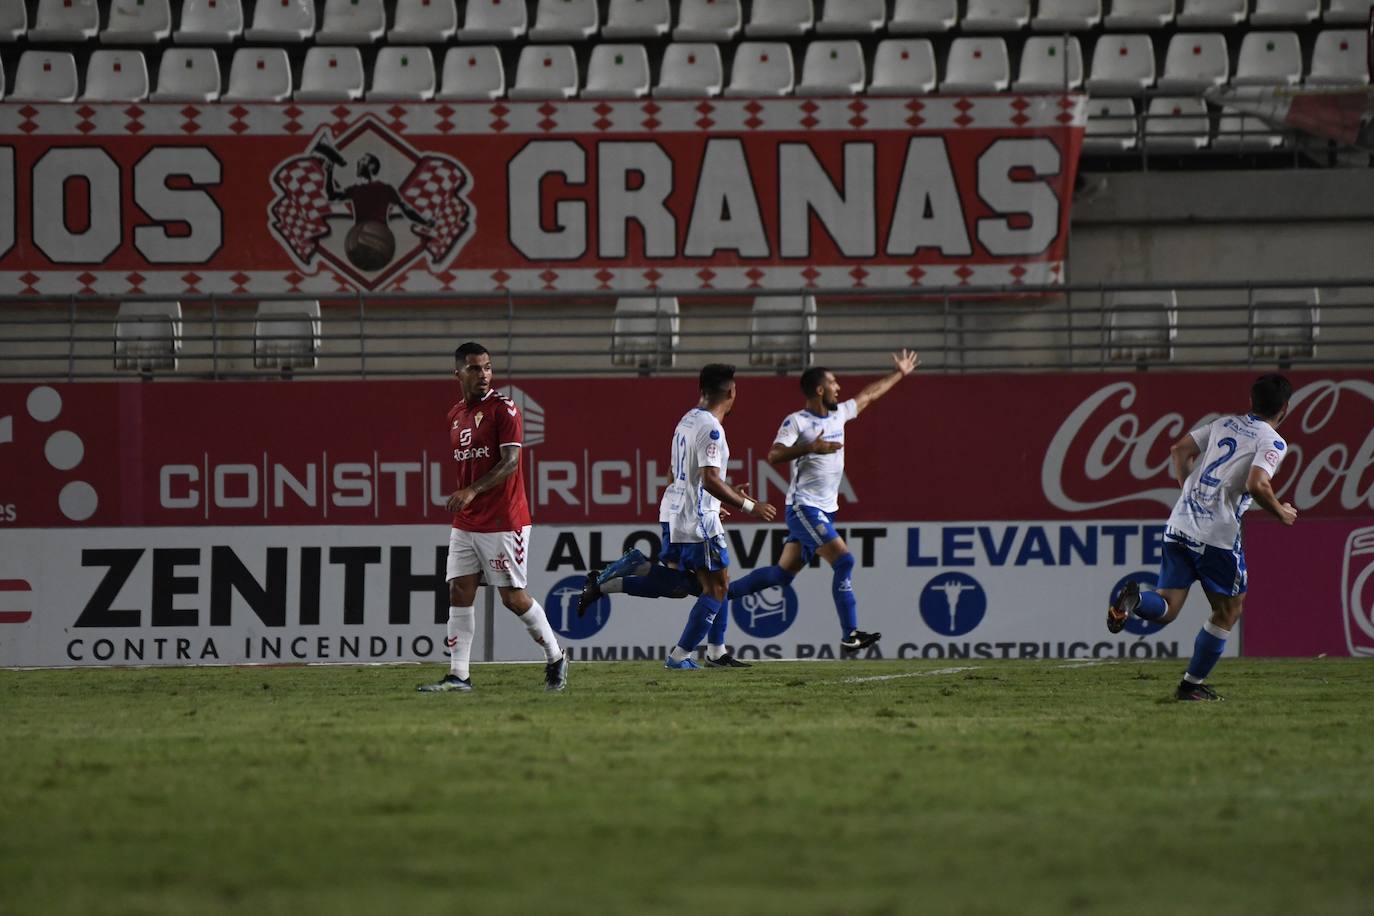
830,405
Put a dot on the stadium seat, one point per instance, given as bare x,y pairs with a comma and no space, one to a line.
147,336
284,21
418,22
331,75
833,68
761,68
707,20
14,21
116,76
782,330
492,20
259,75
852,17
209,22
1338,59
617,72
780,18
2,79
45,76
1139,14
1195,61
1141,325
138,22
690,69
564,20
916,16
1238,132
64,20
1285,12
1176,124
1067,15
637,19
903,66
996,15
644,332
187,75
402,74
1285,322
352,22
286,335
1269,59
1355,12
1050,63
473,73
545,72
1212,13
1111,126
976,65
1122,65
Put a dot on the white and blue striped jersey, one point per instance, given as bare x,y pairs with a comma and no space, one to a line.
698,442
816,478
1214,495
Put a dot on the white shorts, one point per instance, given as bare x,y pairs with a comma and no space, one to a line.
500,555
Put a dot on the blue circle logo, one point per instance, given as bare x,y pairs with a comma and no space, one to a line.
1137,625
561,608
953,604
765,614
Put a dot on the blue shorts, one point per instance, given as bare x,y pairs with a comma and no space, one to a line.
709,555
811,528
669,554
1221,571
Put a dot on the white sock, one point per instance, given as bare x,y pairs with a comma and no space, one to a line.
462,624
537,624
678,653
715,652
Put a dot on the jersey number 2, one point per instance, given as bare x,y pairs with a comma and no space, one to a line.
1229,445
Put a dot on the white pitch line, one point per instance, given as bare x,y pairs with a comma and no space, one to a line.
1090,664
892,677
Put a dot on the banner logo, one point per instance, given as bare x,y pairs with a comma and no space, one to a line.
766,614
953,604
561,608
1357,591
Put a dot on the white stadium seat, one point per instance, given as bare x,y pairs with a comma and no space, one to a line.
1139,14
402,74
1355,12
138,22
1142,325
690,69
188,75
1285,12
352,22
1195,61
1122,65
147,336
918,16
423,21
209,22
833,68
852,17
996,15
637,19
761,68
1212,13
644,331
1269,59
116,76
259,75
14,21
1243,133
286,335
1176,124
617,72
1286,322
331,75
64,20
473,73
545,72
780,18
707,20
45,76
565,20
903,66
976,65
1050,63
492,20
1111,126
1067,15
1339,59
782,330
282,21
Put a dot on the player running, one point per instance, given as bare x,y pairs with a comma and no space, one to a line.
491,521
1222,467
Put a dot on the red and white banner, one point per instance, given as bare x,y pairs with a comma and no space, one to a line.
937,448
576,196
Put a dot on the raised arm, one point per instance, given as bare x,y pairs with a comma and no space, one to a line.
1181,456
905,363
713,483
1260,488
510,460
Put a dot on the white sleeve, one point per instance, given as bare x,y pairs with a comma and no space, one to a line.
1269,455
787,432
849,410
707,445
1201,436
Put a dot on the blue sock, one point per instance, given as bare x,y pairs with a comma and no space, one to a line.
662,582
842,588
1152,607
762,578
718,626
704,613
1207,648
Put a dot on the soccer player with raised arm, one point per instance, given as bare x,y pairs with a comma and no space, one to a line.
491,522
812,442
1222,466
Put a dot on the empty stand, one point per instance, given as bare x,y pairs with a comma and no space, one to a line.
1050,63
780,18
1212,13
283,21
977,65
14,21
116,76
352,22
63,20
493,20
1177,124
833,68
423,21
331,75
637,19
1141,325
902,66
617,71
565,20
259,75
707,20
852,17
1067,15
209,22
996,15
45,76
286,335
402,74
188,75
1122,65
473,73
1286,322
1139,14
1269,59
1355,12
690,69
147,336
545,72
1112,126
761,68
1285,12
1238,132
1195,61
1339,59
919,16
782,330
138,22
644,332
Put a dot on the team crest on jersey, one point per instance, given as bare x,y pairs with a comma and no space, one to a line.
362,202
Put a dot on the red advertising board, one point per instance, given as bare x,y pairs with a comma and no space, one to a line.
573,196
937,448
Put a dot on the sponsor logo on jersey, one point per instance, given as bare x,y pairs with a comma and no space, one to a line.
465,437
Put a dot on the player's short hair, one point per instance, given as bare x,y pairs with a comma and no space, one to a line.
471,348
1269,394
812,379
715,378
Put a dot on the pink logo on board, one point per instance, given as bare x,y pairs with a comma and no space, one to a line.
1357,591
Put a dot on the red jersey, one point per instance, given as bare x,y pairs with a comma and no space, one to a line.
372,202
476,433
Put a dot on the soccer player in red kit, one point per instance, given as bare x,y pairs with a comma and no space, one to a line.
491,522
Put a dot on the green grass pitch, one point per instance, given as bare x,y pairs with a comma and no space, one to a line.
830,788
